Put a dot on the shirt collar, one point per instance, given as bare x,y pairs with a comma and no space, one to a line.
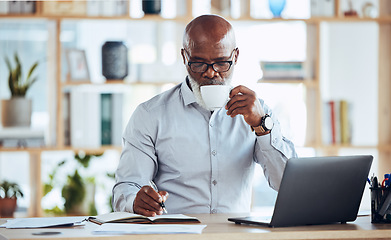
188,96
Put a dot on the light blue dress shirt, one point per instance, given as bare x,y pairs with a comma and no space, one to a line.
204,161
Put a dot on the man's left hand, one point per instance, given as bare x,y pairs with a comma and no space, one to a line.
245,102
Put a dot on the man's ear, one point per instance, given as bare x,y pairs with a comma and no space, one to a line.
183,56
236,55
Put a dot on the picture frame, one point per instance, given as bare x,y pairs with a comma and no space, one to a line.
77,66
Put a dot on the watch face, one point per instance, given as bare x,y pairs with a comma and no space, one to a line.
269,123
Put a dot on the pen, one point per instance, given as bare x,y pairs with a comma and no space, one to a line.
152,184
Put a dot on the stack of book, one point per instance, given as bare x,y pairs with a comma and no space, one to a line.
282,70
337,122
93,119
107,8
22,137
18,7
89,8
322,8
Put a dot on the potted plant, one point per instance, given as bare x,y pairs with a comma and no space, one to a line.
9,192
17,110
78,191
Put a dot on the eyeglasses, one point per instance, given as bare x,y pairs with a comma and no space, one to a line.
200,67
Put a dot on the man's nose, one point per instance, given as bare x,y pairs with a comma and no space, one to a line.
210,72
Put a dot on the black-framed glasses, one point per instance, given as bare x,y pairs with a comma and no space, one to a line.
200,67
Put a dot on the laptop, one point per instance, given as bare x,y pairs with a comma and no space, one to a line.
317,190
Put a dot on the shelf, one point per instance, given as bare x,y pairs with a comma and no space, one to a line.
156,18
349,19
185,19
311,83
385,148
115,82
340,146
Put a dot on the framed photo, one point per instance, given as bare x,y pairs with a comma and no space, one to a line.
77,65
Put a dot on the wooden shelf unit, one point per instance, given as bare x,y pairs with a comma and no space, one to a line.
314,101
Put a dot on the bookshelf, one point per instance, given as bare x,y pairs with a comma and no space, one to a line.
312,83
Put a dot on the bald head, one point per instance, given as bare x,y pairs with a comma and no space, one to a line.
209,30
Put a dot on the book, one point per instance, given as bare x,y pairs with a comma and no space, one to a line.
344,122
14,7
126,217
4,7
333,122
22,143
106,118
117,119
67,117
28,7
121,8
66,8
85,124
21,137
326,124
21,133
282,70
108,8
337,127
322,8
94,7
111,118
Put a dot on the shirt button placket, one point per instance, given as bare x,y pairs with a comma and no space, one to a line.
214,164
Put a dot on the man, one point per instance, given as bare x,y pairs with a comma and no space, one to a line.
201,161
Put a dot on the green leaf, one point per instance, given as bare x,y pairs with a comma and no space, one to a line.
31,70
47,188
17,75
10,189
11,84
19,86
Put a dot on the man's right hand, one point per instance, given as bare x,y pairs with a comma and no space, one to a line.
147,202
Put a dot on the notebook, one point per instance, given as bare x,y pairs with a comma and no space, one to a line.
318,190
126,217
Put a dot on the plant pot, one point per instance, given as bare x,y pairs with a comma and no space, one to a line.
16,112
152,6
7,207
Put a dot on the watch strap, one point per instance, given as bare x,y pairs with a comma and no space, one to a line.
258,130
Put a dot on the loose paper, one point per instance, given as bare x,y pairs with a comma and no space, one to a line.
124,228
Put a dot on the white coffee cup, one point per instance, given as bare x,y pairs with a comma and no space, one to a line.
215,96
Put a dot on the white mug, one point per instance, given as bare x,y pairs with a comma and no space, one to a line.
215,96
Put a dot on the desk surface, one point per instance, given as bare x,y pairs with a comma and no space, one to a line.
219,228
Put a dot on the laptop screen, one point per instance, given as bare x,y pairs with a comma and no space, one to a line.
321,190
318,190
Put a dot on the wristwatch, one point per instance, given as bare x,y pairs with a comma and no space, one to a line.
265,126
